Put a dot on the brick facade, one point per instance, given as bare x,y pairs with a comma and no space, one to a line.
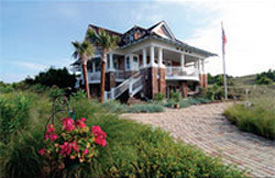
162,81
203,81
152,82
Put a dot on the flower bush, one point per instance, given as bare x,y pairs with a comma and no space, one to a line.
74,144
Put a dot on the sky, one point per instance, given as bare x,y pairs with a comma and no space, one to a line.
35,35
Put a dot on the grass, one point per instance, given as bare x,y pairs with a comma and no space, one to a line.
133,150
257,114
117,107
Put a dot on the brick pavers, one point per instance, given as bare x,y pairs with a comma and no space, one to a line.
204,126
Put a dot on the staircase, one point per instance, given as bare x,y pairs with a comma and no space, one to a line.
133,84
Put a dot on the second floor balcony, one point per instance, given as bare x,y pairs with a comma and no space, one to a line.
179,73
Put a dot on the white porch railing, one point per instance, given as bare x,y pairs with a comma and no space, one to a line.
119,74
134,84
175,72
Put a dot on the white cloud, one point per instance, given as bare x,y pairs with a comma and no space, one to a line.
250,31
30,65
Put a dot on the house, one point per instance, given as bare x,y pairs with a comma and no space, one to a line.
147,61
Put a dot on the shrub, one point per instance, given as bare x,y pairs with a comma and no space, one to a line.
185,103
175,96
115,106
159,97
14,113
147,108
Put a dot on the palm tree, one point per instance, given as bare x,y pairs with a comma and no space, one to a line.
84,51
106,43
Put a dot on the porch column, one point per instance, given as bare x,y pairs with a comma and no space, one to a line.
182,61
202,66
160,58
152,56
111,62
144,57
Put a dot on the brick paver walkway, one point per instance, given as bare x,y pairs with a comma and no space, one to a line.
204,126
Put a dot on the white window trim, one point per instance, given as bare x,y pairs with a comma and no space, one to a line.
131,58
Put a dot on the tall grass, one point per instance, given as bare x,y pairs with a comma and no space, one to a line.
256,114
133,150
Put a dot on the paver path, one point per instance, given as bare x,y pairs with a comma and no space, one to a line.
204,126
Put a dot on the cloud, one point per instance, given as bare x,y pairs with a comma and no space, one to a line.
30,65
249,27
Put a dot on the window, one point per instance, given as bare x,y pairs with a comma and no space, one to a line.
135,63
97,66
127,63
115,63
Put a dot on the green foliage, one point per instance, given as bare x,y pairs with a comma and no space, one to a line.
266,78
219,79
175,98
159,97
14,111
145,108
117,107
132,150
256,115
5,88
215,92
53,77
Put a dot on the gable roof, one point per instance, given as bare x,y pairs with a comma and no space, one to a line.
162,29
159,31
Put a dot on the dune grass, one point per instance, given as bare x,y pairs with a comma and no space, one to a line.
133,150
256,114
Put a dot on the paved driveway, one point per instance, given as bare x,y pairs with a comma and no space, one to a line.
204,126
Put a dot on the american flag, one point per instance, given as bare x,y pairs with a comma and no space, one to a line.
224,40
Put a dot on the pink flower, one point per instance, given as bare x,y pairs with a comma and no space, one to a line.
86,151
42,151
81,123
74,146
100,136
50,128
65,149
68,124
53,137
50,133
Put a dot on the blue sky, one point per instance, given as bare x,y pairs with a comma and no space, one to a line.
37,34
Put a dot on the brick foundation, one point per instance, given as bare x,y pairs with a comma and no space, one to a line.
203,81
162,81
152,82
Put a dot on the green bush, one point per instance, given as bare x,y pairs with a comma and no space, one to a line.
175,96
133,150
159,97
145,108
14,112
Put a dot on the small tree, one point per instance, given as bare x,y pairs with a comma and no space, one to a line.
107,43
84,51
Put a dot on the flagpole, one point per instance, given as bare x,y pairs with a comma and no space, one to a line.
224,77
224,69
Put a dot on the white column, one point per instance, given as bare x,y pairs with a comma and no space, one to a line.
160,58
111,65
144,57
152,57
182,61
202,66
